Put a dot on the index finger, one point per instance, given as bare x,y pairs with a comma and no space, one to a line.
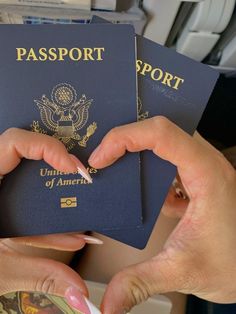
161,136
16,144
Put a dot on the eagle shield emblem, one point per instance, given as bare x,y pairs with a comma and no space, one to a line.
65,115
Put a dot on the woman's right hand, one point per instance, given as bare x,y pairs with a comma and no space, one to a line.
199,255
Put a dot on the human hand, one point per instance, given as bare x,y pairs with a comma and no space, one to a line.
18,271
199,256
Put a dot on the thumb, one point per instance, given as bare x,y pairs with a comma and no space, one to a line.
137,283
24,273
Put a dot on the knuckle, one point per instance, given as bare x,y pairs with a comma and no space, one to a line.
161,122
112,134
139,290
223,173
135,287
227,168
46,285
163,129
4,248
10,132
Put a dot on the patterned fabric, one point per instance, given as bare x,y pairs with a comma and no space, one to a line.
33,303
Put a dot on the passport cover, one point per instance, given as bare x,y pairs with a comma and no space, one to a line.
174,86
74,82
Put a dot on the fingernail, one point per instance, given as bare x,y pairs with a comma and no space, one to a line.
84,173
90,240
94,157
77,300
81,169
92,307
180,193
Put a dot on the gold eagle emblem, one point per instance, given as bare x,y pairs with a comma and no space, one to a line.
65,115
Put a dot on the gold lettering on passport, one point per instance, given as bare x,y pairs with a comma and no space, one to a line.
159,75
71,182
54,178
46,172
65,116
58,182
60,54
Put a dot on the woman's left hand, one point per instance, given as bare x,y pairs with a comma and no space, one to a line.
21,272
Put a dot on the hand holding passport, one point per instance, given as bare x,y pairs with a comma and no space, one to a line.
200,165
75,83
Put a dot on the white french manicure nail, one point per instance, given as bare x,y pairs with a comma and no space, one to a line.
89,239
93,309
85,174
81,169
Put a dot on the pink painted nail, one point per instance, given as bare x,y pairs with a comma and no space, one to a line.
76,300
81,169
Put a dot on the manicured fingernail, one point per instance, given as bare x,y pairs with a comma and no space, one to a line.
180,193
90,240
94,157
84,173
92,307
77,300
81,169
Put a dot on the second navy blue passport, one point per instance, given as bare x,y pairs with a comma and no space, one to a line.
73,82
178,88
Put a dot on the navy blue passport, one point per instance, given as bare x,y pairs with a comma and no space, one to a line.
73,82
178,88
